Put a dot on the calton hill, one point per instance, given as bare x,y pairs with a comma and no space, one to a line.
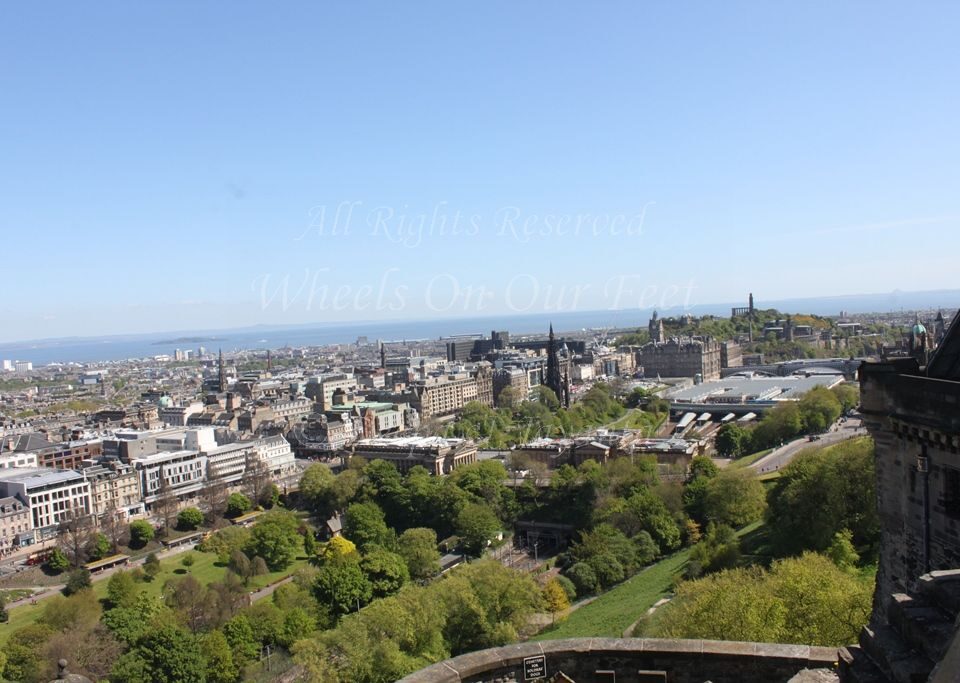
345,580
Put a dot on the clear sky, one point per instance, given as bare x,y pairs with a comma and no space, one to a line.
174,165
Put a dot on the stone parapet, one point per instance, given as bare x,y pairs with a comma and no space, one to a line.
632,659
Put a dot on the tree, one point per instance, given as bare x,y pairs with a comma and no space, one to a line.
189,519
141,533
507,398
822,492
166,654
57,561
75,535
386,572
213,497
819,408
555,598
187,560
732,440
269,495
735,497
166,505
151,566
24,649
240,565
418,547
365,525
848,395
220,667
799,600
256,476
841,551
342,586
237,504
297,624
583,577
338,547
121,589
316,488
719,549
276,538
77,580
224,541
309,544
258,566
243,644
476,525
114,527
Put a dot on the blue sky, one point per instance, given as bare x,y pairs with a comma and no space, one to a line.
173,165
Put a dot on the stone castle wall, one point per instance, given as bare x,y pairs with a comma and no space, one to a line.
634,660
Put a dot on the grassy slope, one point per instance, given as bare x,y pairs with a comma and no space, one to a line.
611,613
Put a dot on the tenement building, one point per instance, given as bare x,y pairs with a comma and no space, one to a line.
681,357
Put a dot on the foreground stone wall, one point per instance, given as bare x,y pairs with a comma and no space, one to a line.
915,424
634,660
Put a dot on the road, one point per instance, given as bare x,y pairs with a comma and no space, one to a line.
782,456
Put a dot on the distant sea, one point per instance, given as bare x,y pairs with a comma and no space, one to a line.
121,347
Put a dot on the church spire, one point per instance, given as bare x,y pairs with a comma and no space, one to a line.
221,375
553,379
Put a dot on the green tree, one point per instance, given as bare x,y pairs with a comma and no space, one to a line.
57,561
418,547
732,440
121,589
735,497
842,552
23,650
342,586
297,624
189,519
386,572
584,578
276,538
800,600
165,654
224,541
187,560
848,395
365,525
310,544
243,643
237,504
476,525
99,547
220,667
151,566
141,533
819,408
77,580
821,492
719,549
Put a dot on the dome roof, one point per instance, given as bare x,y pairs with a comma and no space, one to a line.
919,328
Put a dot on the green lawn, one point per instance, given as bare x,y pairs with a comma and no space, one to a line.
204,569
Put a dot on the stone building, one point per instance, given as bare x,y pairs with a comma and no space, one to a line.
438,455
681,357
14,522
